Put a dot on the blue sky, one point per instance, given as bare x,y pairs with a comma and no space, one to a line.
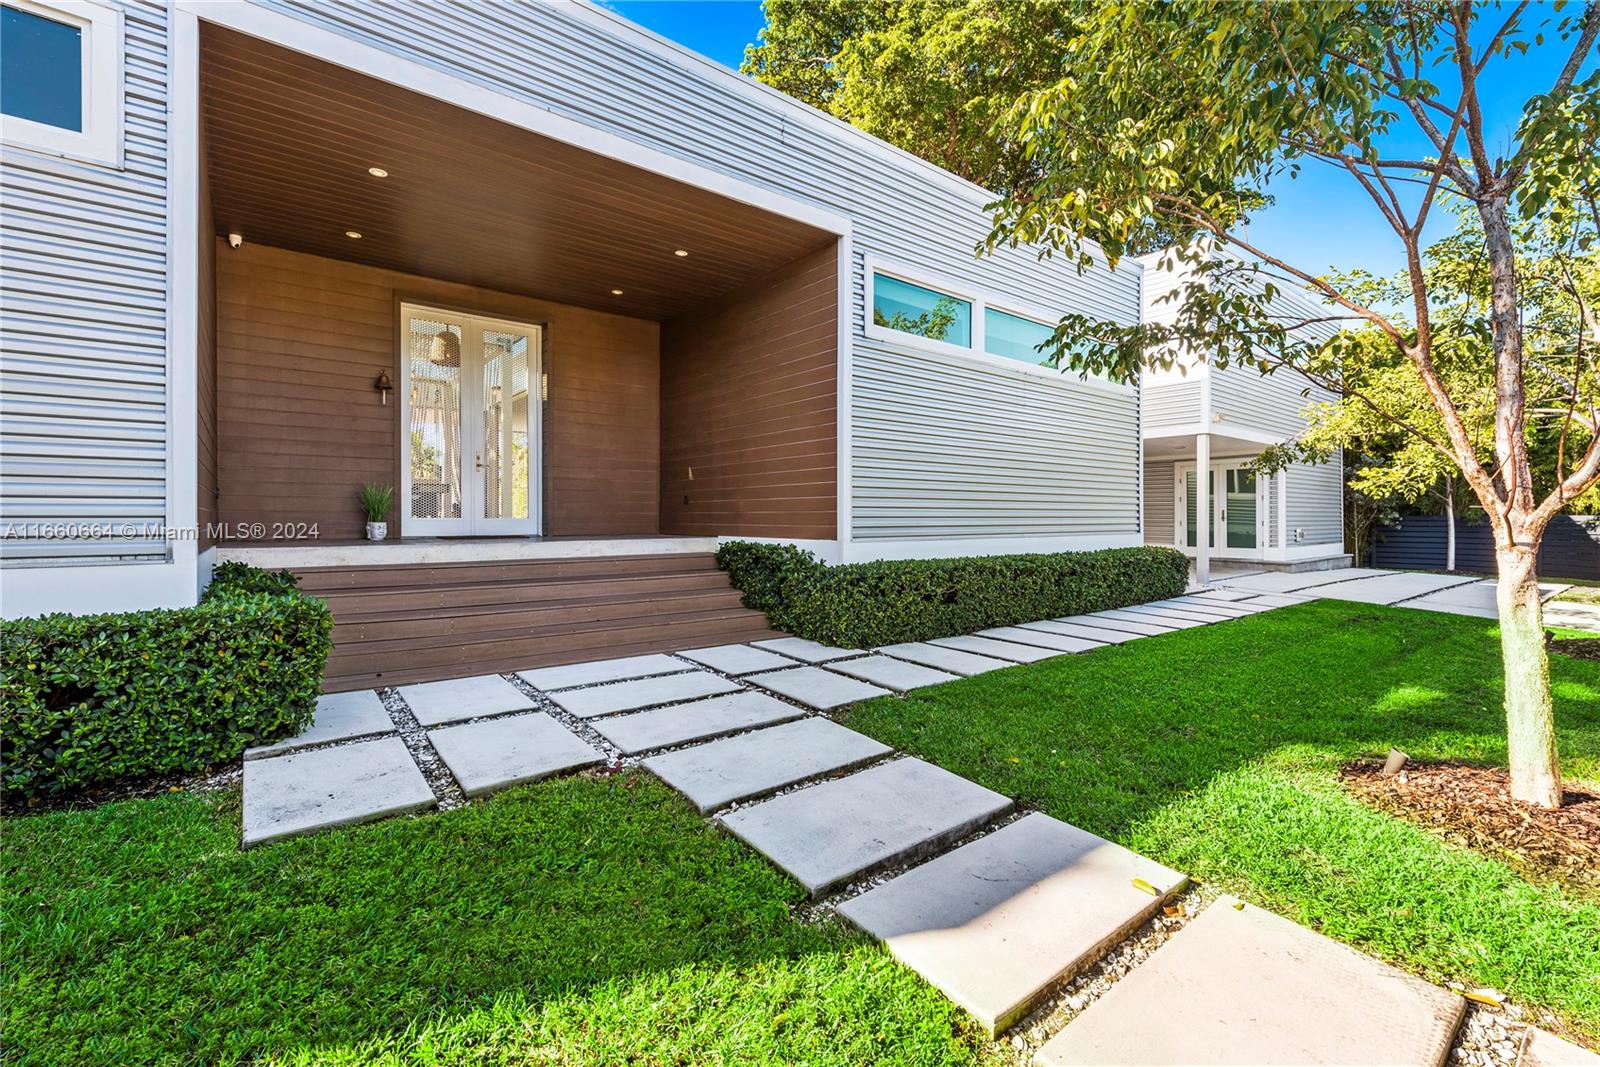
1321,220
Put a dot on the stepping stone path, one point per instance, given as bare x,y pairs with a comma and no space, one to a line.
1240,985
490,755
995,922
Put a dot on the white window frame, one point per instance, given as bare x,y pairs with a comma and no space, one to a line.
100,140
980,302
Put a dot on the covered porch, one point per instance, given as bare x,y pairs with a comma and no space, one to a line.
575,372
522,337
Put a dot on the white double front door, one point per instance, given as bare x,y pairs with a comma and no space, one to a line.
1238,509
470,405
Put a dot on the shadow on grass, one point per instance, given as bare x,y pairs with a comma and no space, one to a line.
588,920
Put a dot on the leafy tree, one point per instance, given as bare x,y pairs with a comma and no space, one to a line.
931,77
1179,116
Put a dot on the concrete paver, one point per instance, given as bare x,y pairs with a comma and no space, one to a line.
898,675
307,791
806,651
715,775
816,688
737,659
339,717
600,671
1244,986
463,698
642,693
496,753
1006,650
828,834
999,920
940,658
696,720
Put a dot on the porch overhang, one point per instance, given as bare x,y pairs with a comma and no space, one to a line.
293,144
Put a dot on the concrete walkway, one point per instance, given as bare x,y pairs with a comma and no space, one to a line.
994,909
1456,594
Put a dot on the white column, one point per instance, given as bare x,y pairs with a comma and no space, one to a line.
1202,508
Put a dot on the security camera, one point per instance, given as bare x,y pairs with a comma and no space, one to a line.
235,240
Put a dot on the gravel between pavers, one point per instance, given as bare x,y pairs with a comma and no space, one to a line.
615,760
447,791
1489,1037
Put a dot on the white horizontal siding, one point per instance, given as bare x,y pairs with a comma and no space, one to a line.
945,448
1316,502
1160,503
83,284
1170,406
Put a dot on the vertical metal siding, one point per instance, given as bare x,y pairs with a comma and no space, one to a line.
83,280
1077,476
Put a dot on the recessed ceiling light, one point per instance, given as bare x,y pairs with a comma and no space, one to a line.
377,172
680,252
353,235
616,292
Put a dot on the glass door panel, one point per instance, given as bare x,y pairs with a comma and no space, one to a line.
471,425
1189,526
503,463
434,432
1239,508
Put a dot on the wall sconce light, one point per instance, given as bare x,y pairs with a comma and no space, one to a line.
384,386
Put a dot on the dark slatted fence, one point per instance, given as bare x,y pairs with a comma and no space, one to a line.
1571,546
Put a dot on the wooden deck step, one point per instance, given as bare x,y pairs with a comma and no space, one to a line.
400,624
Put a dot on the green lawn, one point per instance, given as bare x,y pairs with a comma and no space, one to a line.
598,920
1215,750
591,920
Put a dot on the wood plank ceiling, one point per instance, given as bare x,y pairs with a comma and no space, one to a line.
289,140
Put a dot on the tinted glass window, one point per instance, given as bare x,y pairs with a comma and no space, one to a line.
913,309
1014,337
41,74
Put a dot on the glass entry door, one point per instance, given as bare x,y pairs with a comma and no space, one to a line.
1236,509
470,419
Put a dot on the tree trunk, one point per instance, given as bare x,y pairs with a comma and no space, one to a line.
1530,709
1450,524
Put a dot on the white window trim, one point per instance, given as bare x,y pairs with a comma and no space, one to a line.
980,302
100,140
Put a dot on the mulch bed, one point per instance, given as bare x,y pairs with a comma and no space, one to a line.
1472,807
1577,647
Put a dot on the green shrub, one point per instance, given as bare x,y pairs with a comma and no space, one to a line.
859,605
87,699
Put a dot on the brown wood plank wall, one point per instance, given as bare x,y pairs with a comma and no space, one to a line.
300,340
748,403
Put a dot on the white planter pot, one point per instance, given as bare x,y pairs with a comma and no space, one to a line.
377,531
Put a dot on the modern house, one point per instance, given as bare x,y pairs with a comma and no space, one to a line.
588,301
1200,417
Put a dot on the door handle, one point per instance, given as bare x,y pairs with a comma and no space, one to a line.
477,460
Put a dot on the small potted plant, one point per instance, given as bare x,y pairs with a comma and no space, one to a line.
375,501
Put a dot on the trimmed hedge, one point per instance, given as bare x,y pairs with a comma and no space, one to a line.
88,699
860,605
